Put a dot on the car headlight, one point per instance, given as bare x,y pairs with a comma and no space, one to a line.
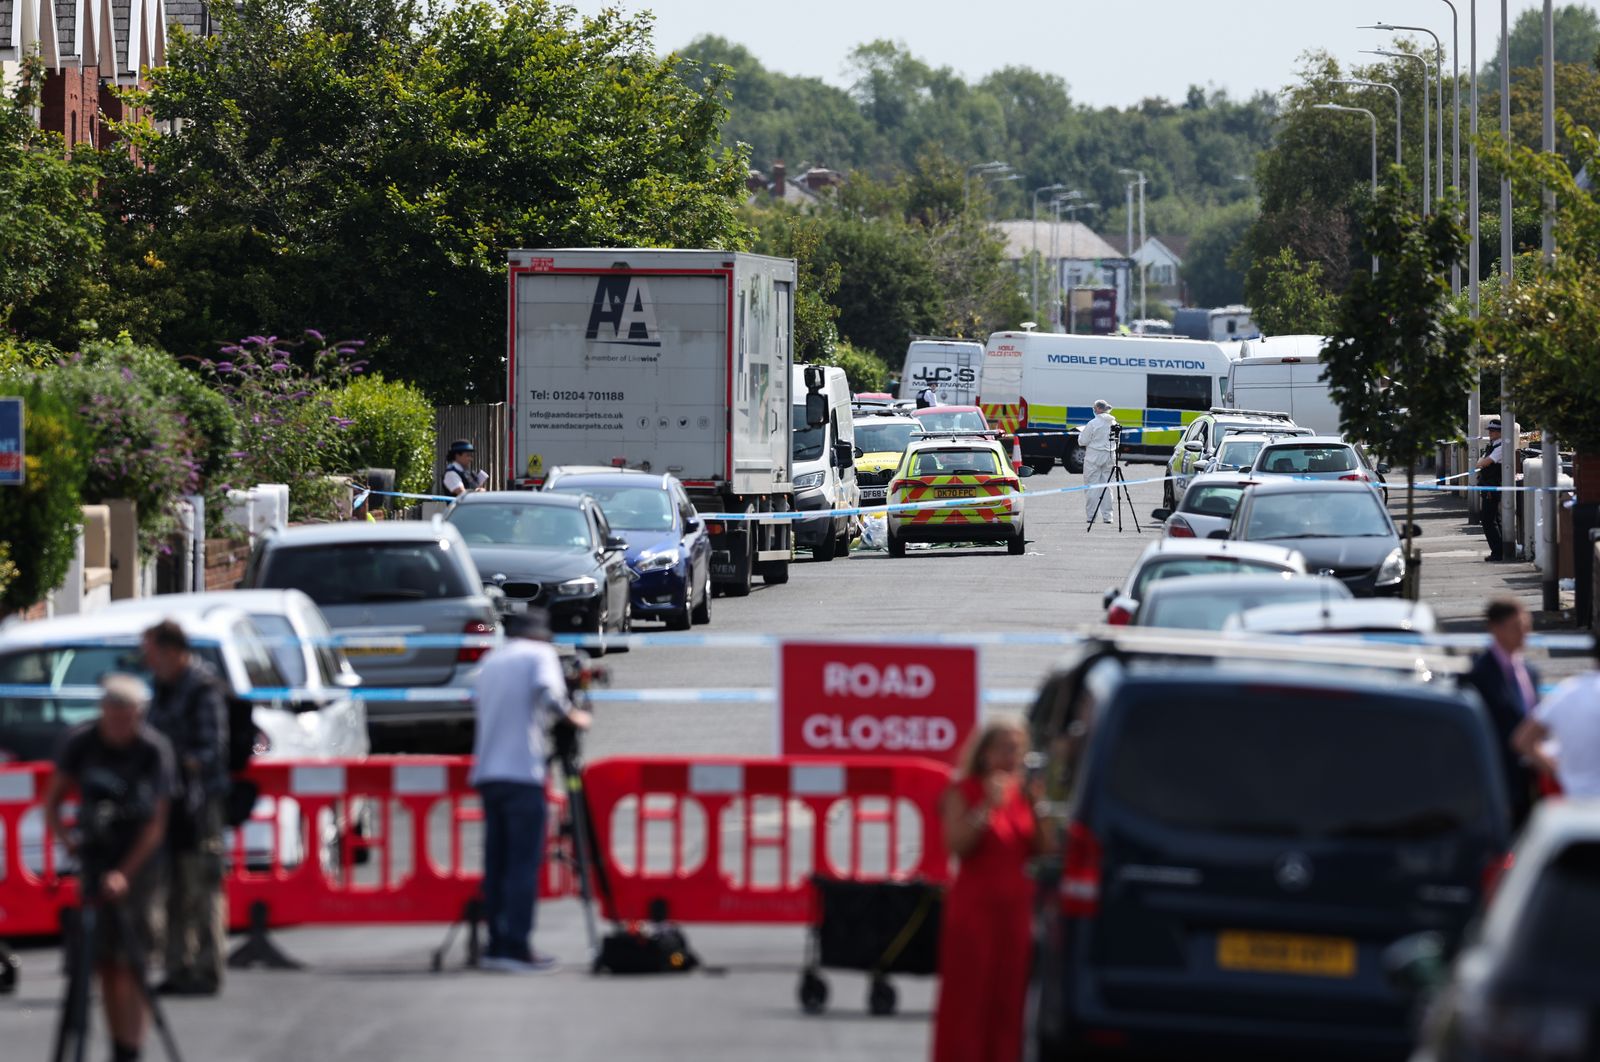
809,479
581,585
1393,568
650,562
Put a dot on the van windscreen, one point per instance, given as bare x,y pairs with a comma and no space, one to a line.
1296,763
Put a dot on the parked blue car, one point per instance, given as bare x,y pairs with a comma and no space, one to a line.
669,552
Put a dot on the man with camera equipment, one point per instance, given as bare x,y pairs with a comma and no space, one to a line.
520,689
190,710
1098,441
123,771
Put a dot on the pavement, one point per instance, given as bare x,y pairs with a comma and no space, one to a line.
367,993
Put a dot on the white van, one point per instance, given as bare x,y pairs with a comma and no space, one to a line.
824,462
1045,384
951,366
1284,374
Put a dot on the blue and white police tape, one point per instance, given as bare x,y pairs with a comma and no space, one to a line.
363,492
1001,501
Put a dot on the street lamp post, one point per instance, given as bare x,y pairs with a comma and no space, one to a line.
1508,413
1427,166
1047,188
1373,118
1055,253
984,168
1438,72
1072,205
1549,458
1475,399
1455,122
1143,287
1398,160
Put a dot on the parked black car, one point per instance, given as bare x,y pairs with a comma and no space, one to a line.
1241,842
552,550
1338,526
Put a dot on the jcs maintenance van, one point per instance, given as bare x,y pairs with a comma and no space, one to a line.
949,366
667,361
1044,385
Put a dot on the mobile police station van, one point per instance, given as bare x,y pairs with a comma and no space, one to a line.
1043,385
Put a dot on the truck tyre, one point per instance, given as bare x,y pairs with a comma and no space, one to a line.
775,573
897,546
740,586
1074,460
827,548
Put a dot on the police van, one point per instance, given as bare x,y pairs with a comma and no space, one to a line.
949,366
1043,386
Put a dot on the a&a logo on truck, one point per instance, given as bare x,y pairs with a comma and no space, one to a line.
623,313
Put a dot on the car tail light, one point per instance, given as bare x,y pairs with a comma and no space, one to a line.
1080,873
1118,616
261,744
1358,477
714,527
471,652
1494,872
1178,527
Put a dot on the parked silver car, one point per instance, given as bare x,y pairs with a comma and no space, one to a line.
1207,506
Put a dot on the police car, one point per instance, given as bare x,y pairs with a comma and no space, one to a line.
957,465
881,439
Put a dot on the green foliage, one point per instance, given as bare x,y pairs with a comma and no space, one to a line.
281,394
1547,334
204,412
51,238
866,371
1399,362
788,233
1211,266
391,426
8,570
1293,300
1577,36
39,520
365,164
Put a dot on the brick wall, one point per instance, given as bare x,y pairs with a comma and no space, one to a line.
225,562
1586,477
70,104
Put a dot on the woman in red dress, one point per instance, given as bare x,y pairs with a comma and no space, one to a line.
986,940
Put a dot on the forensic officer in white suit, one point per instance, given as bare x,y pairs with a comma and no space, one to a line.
1097,440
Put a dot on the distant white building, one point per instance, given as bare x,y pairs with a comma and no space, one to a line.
1075,254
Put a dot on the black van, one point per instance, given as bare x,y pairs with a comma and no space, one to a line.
1241,844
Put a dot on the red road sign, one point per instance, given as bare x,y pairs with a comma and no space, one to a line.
851,699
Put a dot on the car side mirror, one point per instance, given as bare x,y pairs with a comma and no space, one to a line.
816,409
1110,596
693,523
1220,532
1416,964
1024,471
1413,530
844,455
1160,514
1383,468
1194,446
615,542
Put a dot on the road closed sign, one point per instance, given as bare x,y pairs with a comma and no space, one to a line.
843,699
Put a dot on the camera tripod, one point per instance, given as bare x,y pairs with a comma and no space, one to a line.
1117,487
72,1028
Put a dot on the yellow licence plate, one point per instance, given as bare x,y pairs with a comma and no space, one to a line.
955,492
1286,953
376,649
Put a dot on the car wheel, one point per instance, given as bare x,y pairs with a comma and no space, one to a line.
1167,501
625,628
601,645
702,611
824,550
1074,462
841,546
680,620
1017,545
897,546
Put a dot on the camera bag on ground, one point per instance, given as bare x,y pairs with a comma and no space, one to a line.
650,949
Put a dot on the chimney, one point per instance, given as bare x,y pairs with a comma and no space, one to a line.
779,184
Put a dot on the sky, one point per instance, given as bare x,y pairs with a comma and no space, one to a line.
1113,53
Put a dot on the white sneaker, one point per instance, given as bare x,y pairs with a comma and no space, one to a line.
537,964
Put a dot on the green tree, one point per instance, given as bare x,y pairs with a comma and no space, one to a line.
1211,267
1292,299
39,520
364,165
1399,362
390,426
1577,34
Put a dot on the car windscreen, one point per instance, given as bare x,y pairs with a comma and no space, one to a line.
963,420
1239,454
808,442
1159,568
883,438
1298,459
1560,931
973,462
1212,499
357,572
63,666
1296,762
517,524
284,645
1317,514
1210,611
630,508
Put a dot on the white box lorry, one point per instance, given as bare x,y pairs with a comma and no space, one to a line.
1284,374
670,361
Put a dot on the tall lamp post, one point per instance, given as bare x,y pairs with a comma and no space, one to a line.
1398,159
1427,151
1141,182
1508,413
1047,188
1549,457
985,169
1055,253
1072,205
1438,74
1373,118
1455,122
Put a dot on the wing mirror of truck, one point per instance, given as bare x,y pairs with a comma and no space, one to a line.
816,409
844,454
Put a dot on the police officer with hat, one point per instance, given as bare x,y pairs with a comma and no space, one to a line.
1489,475
459,475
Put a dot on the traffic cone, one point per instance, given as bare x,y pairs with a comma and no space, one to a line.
1016,451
